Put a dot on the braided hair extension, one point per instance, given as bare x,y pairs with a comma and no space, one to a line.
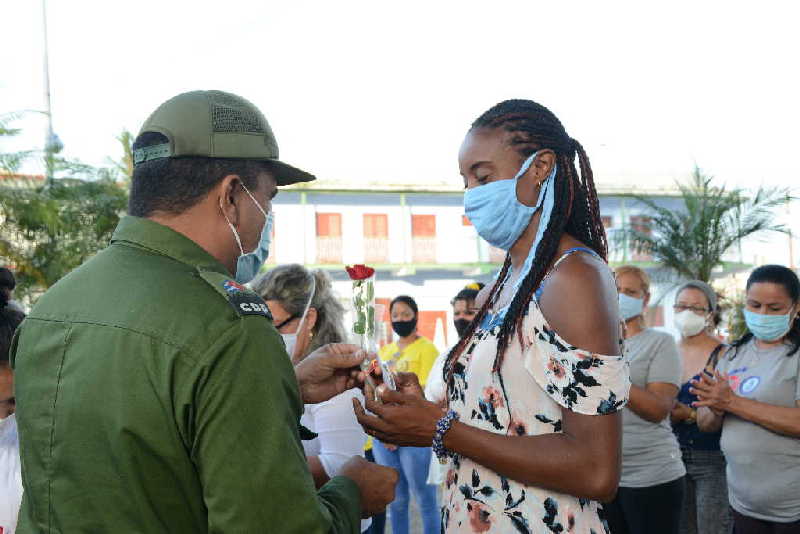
576,210
783,276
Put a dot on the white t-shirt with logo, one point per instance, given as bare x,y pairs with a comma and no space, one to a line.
763,466
10,475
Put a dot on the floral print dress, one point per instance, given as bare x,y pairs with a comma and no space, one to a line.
539,377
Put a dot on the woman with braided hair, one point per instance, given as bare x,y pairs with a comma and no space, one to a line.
531,432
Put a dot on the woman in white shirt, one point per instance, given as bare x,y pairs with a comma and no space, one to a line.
307,314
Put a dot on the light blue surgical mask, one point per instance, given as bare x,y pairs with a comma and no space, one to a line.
630,307
248,264
496,212
767,327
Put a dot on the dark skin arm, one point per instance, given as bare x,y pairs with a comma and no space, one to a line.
559,461
317,471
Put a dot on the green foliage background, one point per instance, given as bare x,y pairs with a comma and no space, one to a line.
50,227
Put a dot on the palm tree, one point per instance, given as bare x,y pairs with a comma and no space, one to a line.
692,241
10,162
49,228
124,165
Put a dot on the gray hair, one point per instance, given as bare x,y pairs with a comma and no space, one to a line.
291,285
707,290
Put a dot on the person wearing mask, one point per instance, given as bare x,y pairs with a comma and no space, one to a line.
411,353
650,495
531,433
307,315
705,503
464,307
172,406
10,473
753,396
464,311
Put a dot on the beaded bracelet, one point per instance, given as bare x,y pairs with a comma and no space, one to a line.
442,426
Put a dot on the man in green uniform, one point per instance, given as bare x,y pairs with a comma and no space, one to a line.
153,393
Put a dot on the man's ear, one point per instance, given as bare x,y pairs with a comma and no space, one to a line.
227,192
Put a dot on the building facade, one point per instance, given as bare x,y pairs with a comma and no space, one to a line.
420,242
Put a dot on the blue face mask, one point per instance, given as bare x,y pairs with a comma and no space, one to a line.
498,216
767,327
248,265
630,307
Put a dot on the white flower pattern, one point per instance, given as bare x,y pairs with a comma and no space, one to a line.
538,377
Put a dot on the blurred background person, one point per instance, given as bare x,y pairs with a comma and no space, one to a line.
705,503
754,397
411,353
7,285
464,307
10,474
464,311
308,315
651,488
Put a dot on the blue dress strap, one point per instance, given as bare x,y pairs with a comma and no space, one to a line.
568,252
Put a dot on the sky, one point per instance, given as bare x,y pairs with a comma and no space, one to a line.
378,91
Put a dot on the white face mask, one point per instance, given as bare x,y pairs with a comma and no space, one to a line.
689,323
290,340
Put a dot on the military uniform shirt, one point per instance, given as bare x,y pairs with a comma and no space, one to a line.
155,396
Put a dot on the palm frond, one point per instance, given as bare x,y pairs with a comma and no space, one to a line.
692,240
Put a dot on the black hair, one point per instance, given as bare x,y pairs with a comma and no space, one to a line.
9,318
468,293
173,185
7,281
783,276
576,208
410,302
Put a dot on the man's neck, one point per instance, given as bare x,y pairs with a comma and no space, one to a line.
204,229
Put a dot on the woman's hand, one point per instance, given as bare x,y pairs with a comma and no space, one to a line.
715,392
404,417
681,412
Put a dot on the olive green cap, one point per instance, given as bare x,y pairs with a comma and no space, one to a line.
215,124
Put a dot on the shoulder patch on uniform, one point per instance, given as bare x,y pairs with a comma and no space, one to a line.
242,299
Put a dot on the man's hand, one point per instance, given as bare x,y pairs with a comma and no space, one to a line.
328,371
376,483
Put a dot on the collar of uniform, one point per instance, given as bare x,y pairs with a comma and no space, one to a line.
164,240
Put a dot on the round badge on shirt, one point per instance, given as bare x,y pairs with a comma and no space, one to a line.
749,385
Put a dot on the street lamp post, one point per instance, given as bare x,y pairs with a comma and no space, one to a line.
52,144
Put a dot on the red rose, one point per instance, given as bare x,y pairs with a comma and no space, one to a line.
360,272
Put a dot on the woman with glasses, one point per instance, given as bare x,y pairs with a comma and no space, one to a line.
651,488
705,505
307,314
754,398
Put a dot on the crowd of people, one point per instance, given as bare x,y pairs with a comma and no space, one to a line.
209,398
